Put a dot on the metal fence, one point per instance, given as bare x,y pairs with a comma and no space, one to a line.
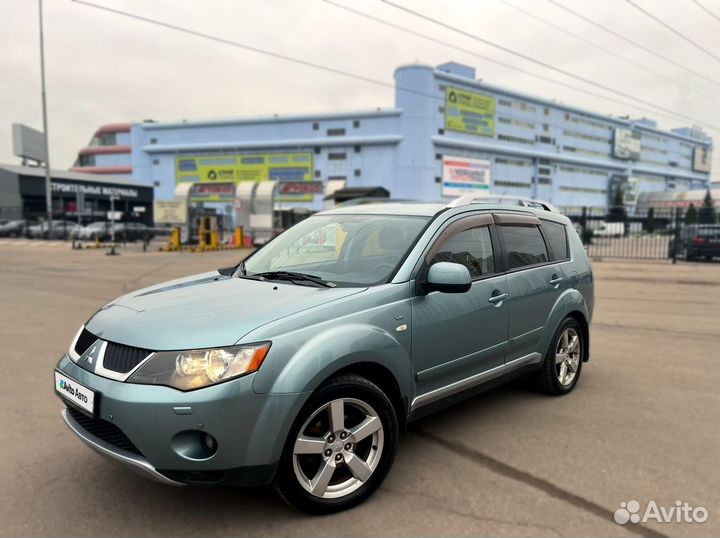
658,233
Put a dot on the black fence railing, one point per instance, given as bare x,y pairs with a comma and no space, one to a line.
658,233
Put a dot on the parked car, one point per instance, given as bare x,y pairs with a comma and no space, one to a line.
61,229
700,241
93,230
130,231
13,228
301,365
610,229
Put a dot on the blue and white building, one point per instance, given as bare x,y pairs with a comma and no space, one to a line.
448,133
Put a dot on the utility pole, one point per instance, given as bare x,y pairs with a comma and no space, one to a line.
48,185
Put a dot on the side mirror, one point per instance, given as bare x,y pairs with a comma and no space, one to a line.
449,277
227,271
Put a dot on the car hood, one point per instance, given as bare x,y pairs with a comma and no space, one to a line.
206,310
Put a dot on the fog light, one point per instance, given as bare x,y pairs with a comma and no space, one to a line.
194,445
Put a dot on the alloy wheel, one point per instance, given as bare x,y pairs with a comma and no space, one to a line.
338,448
567,356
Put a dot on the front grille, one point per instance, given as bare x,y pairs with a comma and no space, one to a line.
120,358
104,430
84,341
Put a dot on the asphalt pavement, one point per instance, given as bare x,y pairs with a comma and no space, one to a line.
642,424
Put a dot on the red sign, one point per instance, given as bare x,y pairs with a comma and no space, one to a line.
300,187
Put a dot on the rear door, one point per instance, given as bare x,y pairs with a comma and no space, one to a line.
534,283
458,335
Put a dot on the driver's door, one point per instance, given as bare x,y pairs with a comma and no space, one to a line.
458,335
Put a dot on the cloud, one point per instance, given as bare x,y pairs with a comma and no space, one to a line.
102,68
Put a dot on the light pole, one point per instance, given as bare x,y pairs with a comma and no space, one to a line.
48,185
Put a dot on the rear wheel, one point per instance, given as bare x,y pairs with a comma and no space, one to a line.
561,368
340,448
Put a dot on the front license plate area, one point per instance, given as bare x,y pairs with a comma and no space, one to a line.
74,393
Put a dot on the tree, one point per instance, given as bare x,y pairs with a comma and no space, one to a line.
691,215
706,215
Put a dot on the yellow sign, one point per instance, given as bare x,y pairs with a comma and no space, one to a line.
469,112
256,167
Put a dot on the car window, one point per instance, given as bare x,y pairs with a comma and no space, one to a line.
342,248
471,248
524,245
556,235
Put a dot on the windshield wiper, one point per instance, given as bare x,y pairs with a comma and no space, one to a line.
293,276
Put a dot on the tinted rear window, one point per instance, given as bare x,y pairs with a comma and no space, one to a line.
524,245
556,234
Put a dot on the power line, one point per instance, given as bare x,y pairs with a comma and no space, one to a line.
281,56
265,52
561,83
604,49
673,29
632,42
706,10
546,65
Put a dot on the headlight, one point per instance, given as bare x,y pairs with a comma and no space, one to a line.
188,370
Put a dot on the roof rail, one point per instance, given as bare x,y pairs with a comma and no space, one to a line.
468,199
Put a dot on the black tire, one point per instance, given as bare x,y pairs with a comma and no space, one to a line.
346,386
546,379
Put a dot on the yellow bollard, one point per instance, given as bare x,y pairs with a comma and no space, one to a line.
174,243
239,237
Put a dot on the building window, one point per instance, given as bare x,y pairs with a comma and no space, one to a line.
338,178
156,161
516,139
156,183
544,171
86,160
441,131
513,162
317,173
316,126
153,140
512,184
586,190
438,156
358,149
335,132
517,123
356,123
358,172
544,181
545,139
317,150
337,156
438,179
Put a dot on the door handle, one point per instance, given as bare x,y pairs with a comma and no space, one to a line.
556,280
498,298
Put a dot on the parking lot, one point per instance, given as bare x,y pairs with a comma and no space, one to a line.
642,424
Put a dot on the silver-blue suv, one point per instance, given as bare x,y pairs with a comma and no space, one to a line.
299,366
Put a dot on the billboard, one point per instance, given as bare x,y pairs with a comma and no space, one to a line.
469,112
28,143
233,168
626,144
465,176
702,159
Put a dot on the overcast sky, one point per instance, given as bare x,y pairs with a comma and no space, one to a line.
103,68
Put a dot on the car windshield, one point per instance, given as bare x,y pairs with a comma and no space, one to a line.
347,250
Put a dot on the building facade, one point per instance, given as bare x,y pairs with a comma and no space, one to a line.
109,152
448,134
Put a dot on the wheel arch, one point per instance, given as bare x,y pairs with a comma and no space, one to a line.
383,378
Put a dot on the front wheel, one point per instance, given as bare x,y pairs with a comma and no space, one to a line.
561,368
340,448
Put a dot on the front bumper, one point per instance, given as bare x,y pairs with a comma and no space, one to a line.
250,428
